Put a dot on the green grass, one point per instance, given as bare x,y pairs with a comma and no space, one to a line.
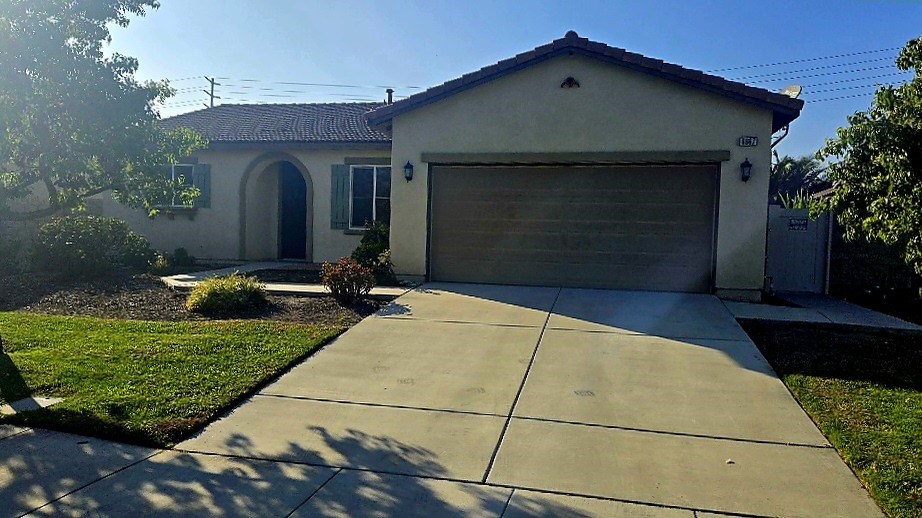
863,388
149,383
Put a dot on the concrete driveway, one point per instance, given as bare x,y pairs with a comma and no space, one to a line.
517,401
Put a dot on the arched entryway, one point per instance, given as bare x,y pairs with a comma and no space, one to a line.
276,209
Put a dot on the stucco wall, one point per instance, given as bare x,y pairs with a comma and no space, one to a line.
215,232
615,109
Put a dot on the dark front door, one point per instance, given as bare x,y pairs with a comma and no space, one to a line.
292,213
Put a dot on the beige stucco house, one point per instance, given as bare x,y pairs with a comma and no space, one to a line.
573,164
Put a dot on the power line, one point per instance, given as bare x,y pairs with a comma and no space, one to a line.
824,67
852,80
857,87
806,60
824,74
325,85
840,98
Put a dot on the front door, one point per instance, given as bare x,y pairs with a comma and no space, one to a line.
292,213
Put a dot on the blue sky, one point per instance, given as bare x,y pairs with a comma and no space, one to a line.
365,46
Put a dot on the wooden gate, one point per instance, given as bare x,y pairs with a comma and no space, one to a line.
798,250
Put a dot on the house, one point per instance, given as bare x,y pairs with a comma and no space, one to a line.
572,164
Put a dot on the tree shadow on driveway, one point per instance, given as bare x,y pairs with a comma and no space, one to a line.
239,483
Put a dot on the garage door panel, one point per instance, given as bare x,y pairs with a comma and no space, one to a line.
627,227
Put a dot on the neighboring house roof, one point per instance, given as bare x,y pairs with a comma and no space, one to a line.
825,193
785,108
263,123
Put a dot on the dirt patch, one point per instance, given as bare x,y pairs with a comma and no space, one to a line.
130,296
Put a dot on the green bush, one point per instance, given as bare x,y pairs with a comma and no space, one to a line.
226,296
166,264
160,264
347,280
374,252
181,257
90,245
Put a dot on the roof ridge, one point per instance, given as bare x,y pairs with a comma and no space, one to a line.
785,108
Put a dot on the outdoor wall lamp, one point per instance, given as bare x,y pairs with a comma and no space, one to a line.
746,170
408,171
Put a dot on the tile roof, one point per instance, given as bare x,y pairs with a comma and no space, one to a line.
785,109
320,123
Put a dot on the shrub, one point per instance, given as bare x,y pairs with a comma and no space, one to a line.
165,264
160,265
374,252
90,245
226,296
181,257
347,280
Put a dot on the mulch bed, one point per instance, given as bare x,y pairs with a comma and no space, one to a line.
131,296
299,275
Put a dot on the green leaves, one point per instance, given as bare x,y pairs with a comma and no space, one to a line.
75,121
877,165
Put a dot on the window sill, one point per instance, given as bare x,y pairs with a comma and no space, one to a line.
354,231
172,211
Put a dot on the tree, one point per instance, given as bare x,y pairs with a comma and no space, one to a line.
791,177
75,121
878,167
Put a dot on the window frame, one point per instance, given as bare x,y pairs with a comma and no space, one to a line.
374,191
174,177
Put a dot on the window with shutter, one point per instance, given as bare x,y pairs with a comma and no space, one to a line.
369,195
196,175
339,197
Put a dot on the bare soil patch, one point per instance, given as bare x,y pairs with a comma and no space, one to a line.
132,296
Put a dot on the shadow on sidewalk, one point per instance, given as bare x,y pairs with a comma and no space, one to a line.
239,483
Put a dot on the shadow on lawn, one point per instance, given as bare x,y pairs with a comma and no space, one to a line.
175,483
12,385
889,358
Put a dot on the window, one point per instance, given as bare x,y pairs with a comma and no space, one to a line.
196,175
370,195
184,174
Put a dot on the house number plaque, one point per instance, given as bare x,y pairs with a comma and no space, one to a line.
749,141
797,224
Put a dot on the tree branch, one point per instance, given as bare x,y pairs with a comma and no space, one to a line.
28,216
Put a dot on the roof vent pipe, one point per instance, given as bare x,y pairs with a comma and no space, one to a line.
390,95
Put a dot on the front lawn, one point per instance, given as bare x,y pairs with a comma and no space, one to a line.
149,383
863,388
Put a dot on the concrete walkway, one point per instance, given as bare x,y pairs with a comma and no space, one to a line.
460,400
187,281
818,309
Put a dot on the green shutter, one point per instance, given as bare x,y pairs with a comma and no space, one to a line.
339,197
201,176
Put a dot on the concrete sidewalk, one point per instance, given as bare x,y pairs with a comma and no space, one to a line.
187,281
817,308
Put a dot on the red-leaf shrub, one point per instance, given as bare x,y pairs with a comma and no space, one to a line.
347,280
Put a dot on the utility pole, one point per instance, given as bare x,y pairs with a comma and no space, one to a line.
210,91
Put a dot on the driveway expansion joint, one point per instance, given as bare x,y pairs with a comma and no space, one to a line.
378,405
319,488
467,322
677,434
20,432
88,484
634,334
518,394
